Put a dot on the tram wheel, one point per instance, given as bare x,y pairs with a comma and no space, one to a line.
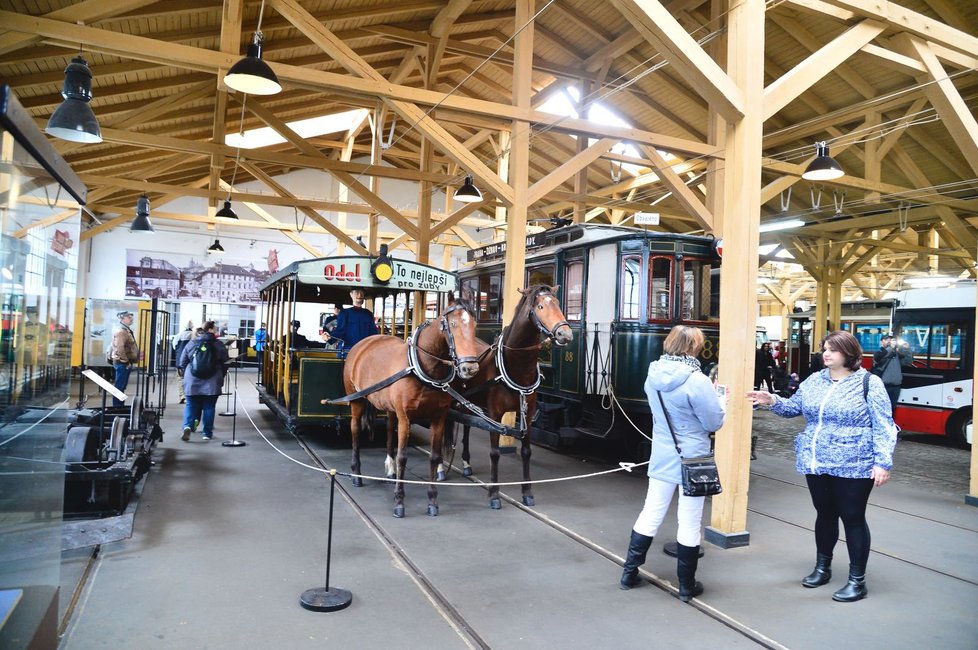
957,428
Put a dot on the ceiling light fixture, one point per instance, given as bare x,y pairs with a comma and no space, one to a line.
74,120
823,167
468,193
226,211
786,224
142,223
252,75
216,248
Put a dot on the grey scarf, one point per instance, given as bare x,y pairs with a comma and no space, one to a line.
692,362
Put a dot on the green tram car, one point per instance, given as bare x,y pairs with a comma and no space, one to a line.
297,373
622,290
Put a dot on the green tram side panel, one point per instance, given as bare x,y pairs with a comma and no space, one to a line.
320,379
635,347
568,364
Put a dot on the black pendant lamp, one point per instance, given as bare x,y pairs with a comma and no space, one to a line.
74,120
216,248
823,167
252,75
468,193
226,211
142,223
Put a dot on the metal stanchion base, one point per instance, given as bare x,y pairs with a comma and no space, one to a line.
233,443
321,599
229,414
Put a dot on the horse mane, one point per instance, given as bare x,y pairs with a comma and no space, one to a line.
529,294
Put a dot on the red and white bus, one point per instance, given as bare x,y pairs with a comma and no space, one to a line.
939,327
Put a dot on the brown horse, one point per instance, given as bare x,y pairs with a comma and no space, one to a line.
511,370
437,353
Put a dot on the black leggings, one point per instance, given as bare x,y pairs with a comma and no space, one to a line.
837,498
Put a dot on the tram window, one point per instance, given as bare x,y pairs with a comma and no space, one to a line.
540,275
631,274
659,282
935,345
574,290
489,297
701,289
868,335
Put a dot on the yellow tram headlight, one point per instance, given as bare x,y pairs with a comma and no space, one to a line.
382,268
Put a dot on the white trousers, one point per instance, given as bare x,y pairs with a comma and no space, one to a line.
657,500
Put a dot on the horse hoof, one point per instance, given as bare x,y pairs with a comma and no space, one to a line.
440,476
432,510
357,481
467,471
495,504
399,512
528,500
391,476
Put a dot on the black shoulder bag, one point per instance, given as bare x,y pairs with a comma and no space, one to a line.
700,475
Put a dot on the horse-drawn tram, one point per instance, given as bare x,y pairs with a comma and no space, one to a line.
297,373
623,289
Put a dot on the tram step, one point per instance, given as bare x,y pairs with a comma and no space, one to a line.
571,434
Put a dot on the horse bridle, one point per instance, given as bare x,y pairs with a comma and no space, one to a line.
446,327
454,362
552,332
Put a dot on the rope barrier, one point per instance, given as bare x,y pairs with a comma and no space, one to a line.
622,467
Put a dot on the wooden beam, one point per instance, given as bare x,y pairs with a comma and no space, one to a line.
955,114
88,11
194,58
671,40
309,212
807,73
580,161
686,197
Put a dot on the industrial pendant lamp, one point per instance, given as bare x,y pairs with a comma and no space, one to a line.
824,167
468,193
226,211
74,120
216,248
142,223
252,75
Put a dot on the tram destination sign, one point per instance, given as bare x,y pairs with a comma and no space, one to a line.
355,272
498,250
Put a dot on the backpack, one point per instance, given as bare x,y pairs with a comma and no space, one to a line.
203,360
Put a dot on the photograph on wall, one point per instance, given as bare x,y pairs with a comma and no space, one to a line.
190,277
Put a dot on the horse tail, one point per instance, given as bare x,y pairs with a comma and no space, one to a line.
367,418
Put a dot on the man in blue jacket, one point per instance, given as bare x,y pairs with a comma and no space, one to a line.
202,391
354,323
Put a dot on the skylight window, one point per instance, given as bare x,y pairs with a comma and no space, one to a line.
309,128
565,104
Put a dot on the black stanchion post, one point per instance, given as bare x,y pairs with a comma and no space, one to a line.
227,405
329,599
234,442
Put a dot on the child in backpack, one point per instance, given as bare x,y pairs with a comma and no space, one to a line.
203,364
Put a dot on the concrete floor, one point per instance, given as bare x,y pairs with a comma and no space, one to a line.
226,539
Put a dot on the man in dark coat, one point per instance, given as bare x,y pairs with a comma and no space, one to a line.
888,364
354,323
202,392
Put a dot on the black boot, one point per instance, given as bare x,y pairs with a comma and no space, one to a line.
821,574
855,589
687,557
638,547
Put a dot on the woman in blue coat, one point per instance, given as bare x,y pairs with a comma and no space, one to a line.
695,412
845,450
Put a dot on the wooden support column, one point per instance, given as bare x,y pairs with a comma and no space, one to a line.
738,273
821,310
519,160
502,168
424,223
835,300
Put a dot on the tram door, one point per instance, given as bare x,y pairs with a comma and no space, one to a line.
799,345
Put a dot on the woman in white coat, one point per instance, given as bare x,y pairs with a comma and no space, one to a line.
695,412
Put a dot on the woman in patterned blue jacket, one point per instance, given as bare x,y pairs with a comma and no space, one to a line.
845,450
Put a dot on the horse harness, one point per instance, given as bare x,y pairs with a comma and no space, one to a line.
414,365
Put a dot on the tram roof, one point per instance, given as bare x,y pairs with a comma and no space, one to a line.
326,279
549,241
